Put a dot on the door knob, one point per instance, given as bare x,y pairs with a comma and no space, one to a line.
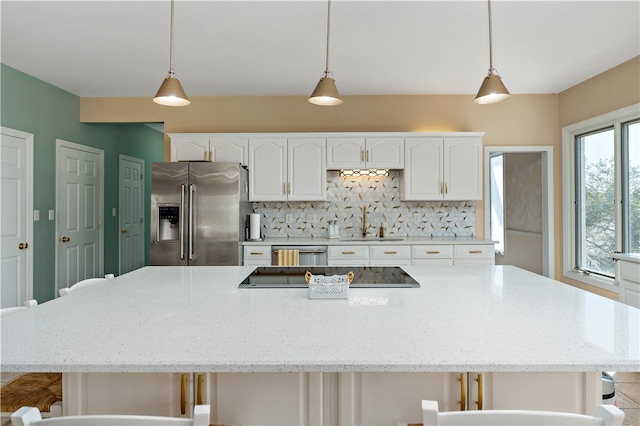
65,239
123,231
23,246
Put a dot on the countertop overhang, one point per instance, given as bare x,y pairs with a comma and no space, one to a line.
462,318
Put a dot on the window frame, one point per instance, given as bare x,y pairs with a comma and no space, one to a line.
614,119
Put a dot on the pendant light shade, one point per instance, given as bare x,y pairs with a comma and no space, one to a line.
170,92
492,89
326,92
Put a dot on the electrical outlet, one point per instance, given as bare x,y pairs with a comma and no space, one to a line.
416,218
312,218
288,218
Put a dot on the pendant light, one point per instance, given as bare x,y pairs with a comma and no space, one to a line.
492,89
170,92
326,93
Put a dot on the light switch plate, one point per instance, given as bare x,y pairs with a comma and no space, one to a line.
51,215
36,215
288,218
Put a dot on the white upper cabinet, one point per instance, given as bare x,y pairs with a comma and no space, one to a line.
292,169
230,149
442,168
360,153
209,147
190,147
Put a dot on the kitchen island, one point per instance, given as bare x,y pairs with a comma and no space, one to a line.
528,340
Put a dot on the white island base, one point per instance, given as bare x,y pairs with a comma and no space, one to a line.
326,398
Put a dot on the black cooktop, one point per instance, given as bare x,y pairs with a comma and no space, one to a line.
364,276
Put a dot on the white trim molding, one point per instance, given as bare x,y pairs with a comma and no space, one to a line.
615,119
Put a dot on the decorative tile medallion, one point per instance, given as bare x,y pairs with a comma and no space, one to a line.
346,196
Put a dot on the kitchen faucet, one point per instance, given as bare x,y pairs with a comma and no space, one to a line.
364,221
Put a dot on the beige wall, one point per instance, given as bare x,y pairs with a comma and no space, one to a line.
522,120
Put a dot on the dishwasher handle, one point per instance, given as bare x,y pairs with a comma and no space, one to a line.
301,249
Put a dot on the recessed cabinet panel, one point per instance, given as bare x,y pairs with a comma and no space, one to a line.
463,169
307,169
422,175
230,149
189,147
345,153
268,174
384,153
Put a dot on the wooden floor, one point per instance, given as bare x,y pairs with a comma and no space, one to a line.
627,396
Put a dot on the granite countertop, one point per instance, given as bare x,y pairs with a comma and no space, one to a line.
462,318
389,239
629,257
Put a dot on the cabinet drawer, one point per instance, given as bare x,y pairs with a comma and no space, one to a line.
432,252
257,253
390,252
465,251
629,271
348,252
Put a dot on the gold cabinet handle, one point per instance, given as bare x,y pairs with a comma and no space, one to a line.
463,392
441,187
183,394
367,156
210,155
289,188
284,188
433,252
475,251
390,252
362,155
23,246
446,188
348,252
256,253
480,381
199,389
65,239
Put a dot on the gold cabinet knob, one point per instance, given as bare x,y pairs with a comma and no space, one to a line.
23,246
65,239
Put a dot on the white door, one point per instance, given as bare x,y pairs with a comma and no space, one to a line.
131,190
79,206
16,230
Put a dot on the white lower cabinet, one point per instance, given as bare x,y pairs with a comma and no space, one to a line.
432,254
326,398
468,254
628,278
256,255
390,255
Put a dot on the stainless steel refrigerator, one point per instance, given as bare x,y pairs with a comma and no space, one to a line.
199,213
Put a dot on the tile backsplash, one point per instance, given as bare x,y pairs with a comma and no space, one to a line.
381,195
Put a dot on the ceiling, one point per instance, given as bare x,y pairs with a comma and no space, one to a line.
273,48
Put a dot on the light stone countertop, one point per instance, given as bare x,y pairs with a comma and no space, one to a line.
629,257
389,239
463,318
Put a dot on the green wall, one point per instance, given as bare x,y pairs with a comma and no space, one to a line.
49,113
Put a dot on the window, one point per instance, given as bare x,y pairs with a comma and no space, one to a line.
601,194
496,197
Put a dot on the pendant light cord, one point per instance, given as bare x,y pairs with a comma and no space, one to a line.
326,67
171,44
490,39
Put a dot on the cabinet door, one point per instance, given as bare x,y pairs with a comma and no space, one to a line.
152,394
233,150
189,147
307,177
384,153
422,177
345,153
463,168
268,173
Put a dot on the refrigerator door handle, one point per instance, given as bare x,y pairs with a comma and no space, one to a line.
192,191
183,191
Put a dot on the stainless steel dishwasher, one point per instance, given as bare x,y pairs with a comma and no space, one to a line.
309,255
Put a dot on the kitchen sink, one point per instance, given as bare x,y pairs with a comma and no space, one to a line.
372,239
